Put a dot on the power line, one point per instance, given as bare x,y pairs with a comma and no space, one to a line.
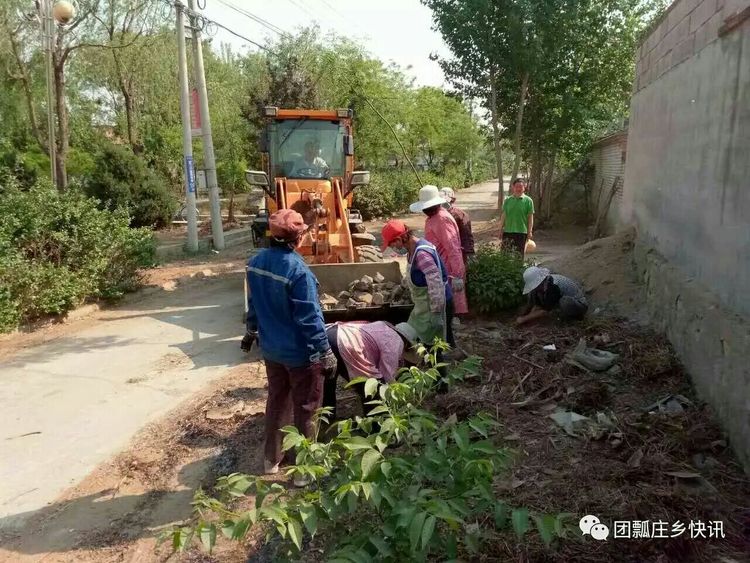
265,23
202,22
302,7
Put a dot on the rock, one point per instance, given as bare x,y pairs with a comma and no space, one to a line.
396,293
361,286
170,285
361,305
328,300
363,297
389,286
351,304
378,299
367,280
379,278
344,295
404,283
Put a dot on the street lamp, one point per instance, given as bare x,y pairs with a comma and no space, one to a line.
61,12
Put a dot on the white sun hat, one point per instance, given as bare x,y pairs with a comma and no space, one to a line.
408,332
448,194
533,277
429,196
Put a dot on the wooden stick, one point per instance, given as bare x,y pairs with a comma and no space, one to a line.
527,361
520,383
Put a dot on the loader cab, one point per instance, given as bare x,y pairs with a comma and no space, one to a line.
308,166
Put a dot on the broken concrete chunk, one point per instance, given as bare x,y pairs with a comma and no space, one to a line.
378,299
344,295
379,278
363,297
328,300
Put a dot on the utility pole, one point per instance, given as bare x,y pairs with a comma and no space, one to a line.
209,159
187,136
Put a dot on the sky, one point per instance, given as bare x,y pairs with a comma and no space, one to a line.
391,30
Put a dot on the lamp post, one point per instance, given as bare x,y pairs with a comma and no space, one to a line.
52,13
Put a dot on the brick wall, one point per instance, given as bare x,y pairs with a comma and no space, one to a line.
686,28
687,192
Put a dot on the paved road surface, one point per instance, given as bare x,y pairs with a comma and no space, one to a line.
70,404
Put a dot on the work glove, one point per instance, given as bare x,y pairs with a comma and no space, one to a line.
330,365
457,284
248,340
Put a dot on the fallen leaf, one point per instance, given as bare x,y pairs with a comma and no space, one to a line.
635,459
515,437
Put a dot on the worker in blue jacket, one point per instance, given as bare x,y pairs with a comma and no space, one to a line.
284,316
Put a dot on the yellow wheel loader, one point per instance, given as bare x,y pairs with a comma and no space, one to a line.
308,166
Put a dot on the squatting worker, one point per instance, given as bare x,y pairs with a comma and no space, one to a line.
463,221
428,282
551,292
517,219
373,350
441,230
284,315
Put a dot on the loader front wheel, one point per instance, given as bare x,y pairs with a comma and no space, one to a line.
368,253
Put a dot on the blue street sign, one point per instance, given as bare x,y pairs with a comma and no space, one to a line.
190,174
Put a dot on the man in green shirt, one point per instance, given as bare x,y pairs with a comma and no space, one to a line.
517,220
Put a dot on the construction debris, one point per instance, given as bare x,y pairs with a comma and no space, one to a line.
671,404
368,291
591,359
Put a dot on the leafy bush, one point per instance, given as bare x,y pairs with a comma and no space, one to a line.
494,280
399,485
57,249
120,179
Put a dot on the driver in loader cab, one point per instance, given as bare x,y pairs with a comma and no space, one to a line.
284,316
311,165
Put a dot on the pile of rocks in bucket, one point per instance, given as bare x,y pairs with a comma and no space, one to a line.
368,292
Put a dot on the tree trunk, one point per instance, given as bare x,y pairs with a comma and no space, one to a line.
548,187
519,126
63,133
496,139
536,176
230,216
25,79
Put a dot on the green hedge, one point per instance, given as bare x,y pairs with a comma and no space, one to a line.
57,250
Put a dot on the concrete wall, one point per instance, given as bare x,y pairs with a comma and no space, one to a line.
608,157
687,191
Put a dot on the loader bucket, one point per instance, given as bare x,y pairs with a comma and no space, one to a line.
335,278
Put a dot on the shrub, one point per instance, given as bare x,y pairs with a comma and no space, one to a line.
57,249
120,179
494,280
398,485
